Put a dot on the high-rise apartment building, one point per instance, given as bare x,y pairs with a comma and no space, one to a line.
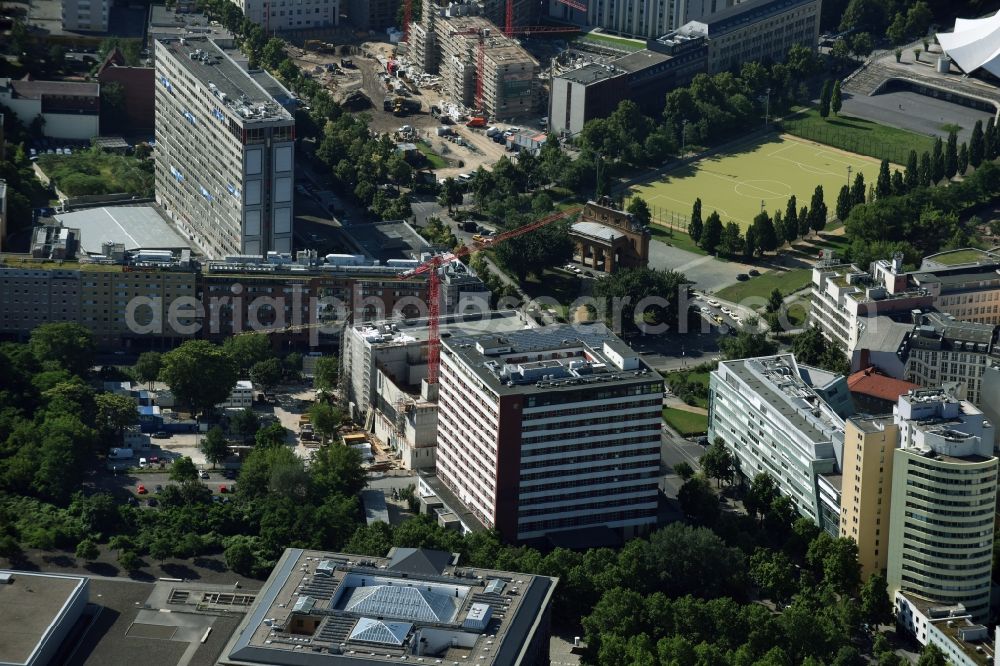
384,365
866,496
85,15
224,151
771,416
944,490
283,15
550,429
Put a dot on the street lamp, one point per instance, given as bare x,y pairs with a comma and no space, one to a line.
597,177
848,175
767,107
684,136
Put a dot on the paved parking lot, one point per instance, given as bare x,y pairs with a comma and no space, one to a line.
708,273
914,112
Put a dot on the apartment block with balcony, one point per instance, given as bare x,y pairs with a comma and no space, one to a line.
845,297
772,419
224,151
548,430
944,489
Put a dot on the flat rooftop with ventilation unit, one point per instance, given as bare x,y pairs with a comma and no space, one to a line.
332,609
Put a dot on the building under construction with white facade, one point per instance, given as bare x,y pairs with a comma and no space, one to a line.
448,41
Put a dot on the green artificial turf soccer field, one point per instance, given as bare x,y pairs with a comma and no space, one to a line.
734,183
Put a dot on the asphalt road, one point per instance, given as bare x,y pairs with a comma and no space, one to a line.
914,112
674,449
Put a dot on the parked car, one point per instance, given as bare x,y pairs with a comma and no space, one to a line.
223,489
140,489
742,277
754,272
229,474
203,474
161,434
713,303
158,489
152,501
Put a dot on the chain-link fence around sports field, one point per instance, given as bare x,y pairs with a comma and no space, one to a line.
849,140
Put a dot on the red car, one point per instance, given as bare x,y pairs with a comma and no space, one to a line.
223,489
141,490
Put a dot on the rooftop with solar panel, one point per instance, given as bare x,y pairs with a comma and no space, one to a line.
412,605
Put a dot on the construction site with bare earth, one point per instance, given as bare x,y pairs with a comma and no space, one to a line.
463,83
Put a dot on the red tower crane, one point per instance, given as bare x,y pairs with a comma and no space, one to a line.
434,264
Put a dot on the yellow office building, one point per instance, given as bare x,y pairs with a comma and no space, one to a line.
866,494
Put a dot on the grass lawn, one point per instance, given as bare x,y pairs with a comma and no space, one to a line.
858,136
557,284
690,378
769,170
811,248
956,257
615,42
433,159
678,239
685,423
797,311
96,172
762,285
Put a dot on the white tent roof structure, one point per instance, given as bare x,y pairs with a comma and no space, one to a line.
974,44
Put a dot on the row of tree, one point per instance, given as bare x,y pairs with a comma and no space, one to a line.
766,233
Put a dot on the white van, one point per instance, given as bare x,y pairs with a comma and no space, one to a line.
143,463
